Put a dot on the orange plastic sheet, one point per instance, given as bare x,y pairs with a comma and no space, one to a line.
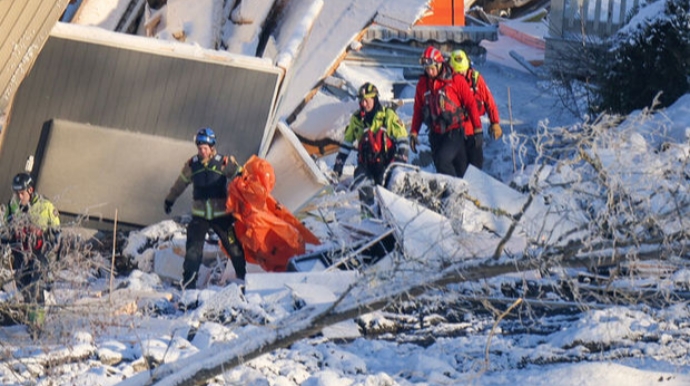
268,232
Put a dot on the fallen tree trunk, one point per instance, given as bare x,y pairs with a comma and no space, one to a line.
198,368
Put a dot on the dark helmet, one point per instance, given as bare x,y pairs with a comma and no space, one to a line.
205,136
367,90
22,181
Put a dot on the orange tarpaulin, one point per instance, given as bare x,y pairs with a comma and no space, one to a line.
269,233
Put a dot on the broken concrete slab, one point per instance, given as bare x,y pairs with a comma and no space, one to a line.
428,236
267,283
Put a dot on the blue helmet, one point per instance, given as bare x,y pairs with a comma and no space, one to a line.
205,136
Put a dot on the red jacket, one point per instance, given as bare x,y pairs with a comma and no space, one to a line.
447,89
485,101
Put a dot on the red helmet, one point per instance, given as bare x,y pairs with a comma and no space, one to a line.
430,57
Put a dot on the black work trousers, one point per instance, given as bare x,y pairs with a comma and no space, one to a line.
196,234
452,152
30,273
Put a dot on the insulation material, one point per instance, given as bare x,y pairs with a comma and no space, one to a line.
298,179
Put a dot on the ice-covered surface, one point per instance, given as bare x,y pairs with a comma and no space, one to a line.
241,32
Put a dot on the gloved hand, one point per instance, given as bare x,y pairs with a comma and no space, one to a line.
414,142
478,138
167,206
339,163
239,169
495,131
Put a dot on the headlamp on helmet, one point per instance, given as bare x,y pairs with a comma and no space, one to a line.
205,136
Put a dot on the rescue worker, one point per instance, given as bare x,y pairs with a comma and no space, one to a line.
482,95
209,173
444,103
33,226
380,135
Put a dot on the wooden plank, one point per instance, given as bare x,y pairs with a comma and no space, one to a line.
23,31
585,15
330,72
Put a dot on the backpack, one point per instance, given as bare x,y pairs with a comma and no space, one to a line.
375,148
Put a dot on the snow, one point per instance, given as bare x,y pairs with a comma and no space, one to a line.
323,46
242,35
647,13
99,14
200,21
200,328
163,47
303,14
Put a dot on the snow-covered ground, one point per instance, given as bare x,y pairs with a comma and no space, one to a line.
110,338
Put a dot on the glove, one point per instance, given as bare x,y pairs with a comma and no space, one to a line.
495,131
167,206
339,163
478,139
414,142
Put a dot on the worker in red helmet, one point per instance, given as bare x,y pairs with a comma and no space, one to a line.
445,104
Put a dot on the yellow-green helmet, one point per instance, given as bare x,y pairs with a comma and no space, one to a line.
459,61
367,90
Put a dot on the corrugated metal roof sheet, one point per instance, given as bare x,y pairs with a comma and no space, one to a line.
24,28
434,34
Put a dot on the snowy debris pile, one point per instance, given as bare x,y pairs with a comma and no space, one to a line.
485,282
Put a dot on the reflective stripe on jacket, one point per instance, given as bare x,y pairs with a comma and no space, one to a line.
455,89
209,200
384,118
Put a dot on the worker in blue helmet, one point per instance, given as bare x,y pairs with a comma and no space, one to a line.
209,173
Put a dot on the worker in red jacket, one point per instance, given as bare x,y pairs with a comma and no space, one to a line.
485,101
445,104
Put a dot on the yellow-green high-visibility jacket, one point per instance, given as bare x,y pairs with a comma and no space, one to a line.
384,118
41,212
